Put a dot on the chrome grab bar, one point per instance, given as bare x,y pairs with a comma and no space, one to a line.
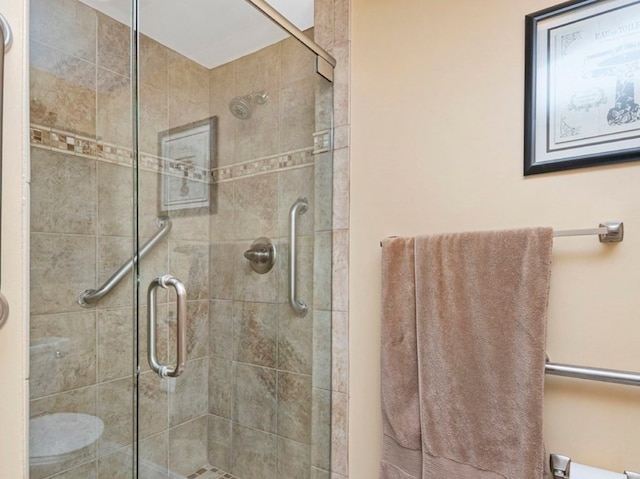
89,297
181,330
298,208
5,31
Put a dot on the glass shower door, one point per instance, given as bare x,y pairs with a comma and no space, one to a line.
82,238
229,140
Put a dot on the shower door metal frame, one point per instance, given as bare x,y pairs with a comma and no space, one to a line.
325,63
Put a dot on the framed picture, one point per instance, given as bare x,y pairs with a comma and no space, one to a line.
188,154
581,74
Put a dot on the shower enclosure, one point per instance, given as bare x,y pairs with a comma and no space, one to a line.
181,178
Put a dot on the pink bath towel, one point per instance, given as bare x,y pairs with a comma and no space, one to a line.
480,331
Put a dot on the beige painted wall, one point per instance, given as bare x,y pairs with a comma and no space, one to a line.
437,121
13,336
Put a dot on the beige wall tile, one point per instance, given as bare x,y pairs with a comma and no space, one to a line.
339,433
341,83
115,347
341,185
62,193
220,442
86,471
221,329
292,460
322,282
197,329
115,205
190,226
255,333
222,212
185,260
323,32
297,115
321,429
154,452
223,89
154,404
256,207
295,338
148,203
63,91
188,446
322,360
320,474
187,80
253,453
191,398
188,90
60,256
297,62
340,352
114,45
323,191
153,117
153,59
294,406
220,387
223,263
254,397
117,465
66,25
114,109
340,276
114,408
71,364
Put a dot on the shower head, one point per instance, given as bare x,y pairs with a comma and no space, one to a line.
241,106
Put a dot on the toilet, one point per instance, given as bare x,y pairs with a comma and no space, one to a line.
57,437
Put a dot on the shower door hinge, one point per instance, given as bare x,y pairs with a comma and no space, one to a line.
324,68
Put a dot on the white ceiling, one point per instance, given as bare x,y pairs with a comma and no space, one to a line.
210,32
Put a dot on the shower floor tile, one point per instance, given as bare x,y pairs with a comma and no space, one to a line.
210,472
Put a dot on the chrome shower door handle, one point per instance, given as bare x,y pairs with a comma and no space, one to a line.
5,45
299,207
165,371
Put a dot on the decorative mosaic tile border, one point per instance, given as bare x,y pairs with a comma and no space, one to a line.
56,140
210,472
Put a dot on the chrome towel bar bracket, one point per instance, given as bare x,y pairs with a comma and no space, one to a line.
561,468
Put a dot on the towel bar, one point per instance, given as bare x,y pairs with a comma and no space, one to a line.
594,374
608,232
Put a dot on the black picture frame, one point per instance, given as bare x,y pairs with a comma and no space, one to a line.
582,72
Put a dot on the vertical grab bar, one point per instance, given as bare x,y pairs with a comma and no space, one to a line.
5,31
299,207
162,370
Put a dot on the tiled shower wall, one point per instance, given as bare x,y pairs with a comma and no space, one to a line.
269,369
256,359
